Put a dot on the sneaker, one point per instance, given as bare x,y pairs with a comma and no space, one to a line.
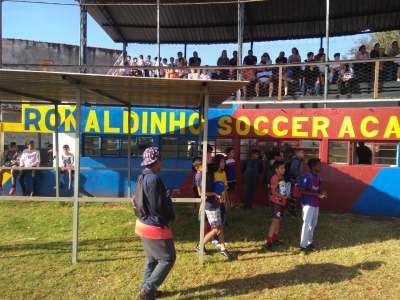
303,251
312,248
268,247
278,243
205,252
226,254
398,79
69,187
216,243
12,191
292,213
32,194
146,296
158,293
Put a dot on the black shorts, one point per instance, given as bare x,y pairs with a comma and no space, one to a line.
232,186
275,209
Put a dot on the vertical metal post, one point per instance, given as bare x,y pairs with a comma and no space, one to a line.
184,52
251,45
83,36
75,222
280,84
158,37
376,80
129,150
55,149
203,177
200,131
124,54
240,42
326,51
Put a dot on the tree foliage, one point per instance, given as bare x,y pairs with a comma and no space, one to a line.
385,38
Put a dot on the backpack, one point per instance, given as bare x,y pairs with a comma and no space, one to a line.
269,172
138,199
288,176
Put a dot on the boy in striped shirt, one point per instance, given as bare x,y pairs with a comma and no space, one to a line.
311,195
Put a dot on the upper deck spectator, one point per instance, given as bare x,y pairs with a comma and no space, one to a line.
321,51
205,74
182,73
394,51
148,63
231,75
218,75
375,52
334,68
195,61
233,60
179,57
294,57
362,53
250,59
223,60
268,60
281,59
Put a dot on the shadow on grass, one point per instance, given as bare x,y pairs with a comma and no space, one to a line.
301,274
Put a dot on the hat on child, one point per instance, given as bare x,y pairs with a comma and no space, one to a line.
150,155
381,47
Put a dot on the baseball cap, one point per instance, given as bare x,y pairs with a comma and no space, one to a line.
150,155
381,47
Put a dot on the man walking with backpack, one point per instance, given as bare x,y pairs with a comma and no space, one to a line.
153,208
293,173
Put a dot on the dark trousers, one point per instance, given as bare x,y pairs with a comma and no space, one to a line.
21,178
250,183
292,206
160,258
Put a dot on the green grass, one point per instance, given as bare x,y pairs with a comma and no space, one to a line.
359,257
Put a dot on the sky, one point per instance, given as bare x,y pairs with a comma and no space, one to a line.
60,24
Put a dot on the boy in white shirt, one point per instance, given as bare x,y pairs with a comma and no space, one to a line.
30,159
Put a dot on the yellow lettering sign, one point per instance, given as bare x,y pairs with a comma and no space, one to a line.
180,122
347,128
392,128
275,126
364,124
92,122
320,124
223,122
297,126
245,120
257,122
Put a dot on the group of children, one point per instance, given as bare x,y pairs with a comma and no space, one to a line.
286,184
30,159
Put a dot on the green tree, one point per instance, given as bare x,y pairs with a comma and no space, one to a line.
385,38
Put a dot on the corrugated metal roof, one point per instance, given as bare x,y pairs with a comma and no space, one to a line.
264,20
61,88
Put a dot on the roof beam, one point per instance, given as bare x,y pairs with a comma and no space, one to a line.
113,98
104,10
12,92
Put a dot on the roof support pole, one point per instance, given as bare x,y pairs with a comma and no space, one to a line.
203,177
124,54
326,52
240,42
83,36
158,37
184,51
75,221
55,149
129,155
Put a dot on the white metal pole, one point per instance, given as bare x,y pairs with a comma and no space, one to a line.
240,42
129,150
55,149
75,221
326,51
203,177
158,37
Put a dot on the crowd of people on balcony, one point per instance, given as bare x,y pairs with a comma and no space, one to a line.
264,77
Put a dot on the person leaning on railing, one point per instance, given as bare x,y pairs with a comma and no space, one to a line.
248,75
346,80
334,69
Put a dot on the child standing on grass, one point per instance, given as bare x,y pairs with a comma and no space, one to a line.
280,191
212,208
311,194
230,171
219,175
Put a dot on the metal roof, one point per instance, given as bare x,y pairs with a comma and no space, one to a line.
217,22
49,87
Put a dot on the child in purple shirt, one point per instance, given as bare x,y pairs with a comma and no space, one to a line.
311,195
